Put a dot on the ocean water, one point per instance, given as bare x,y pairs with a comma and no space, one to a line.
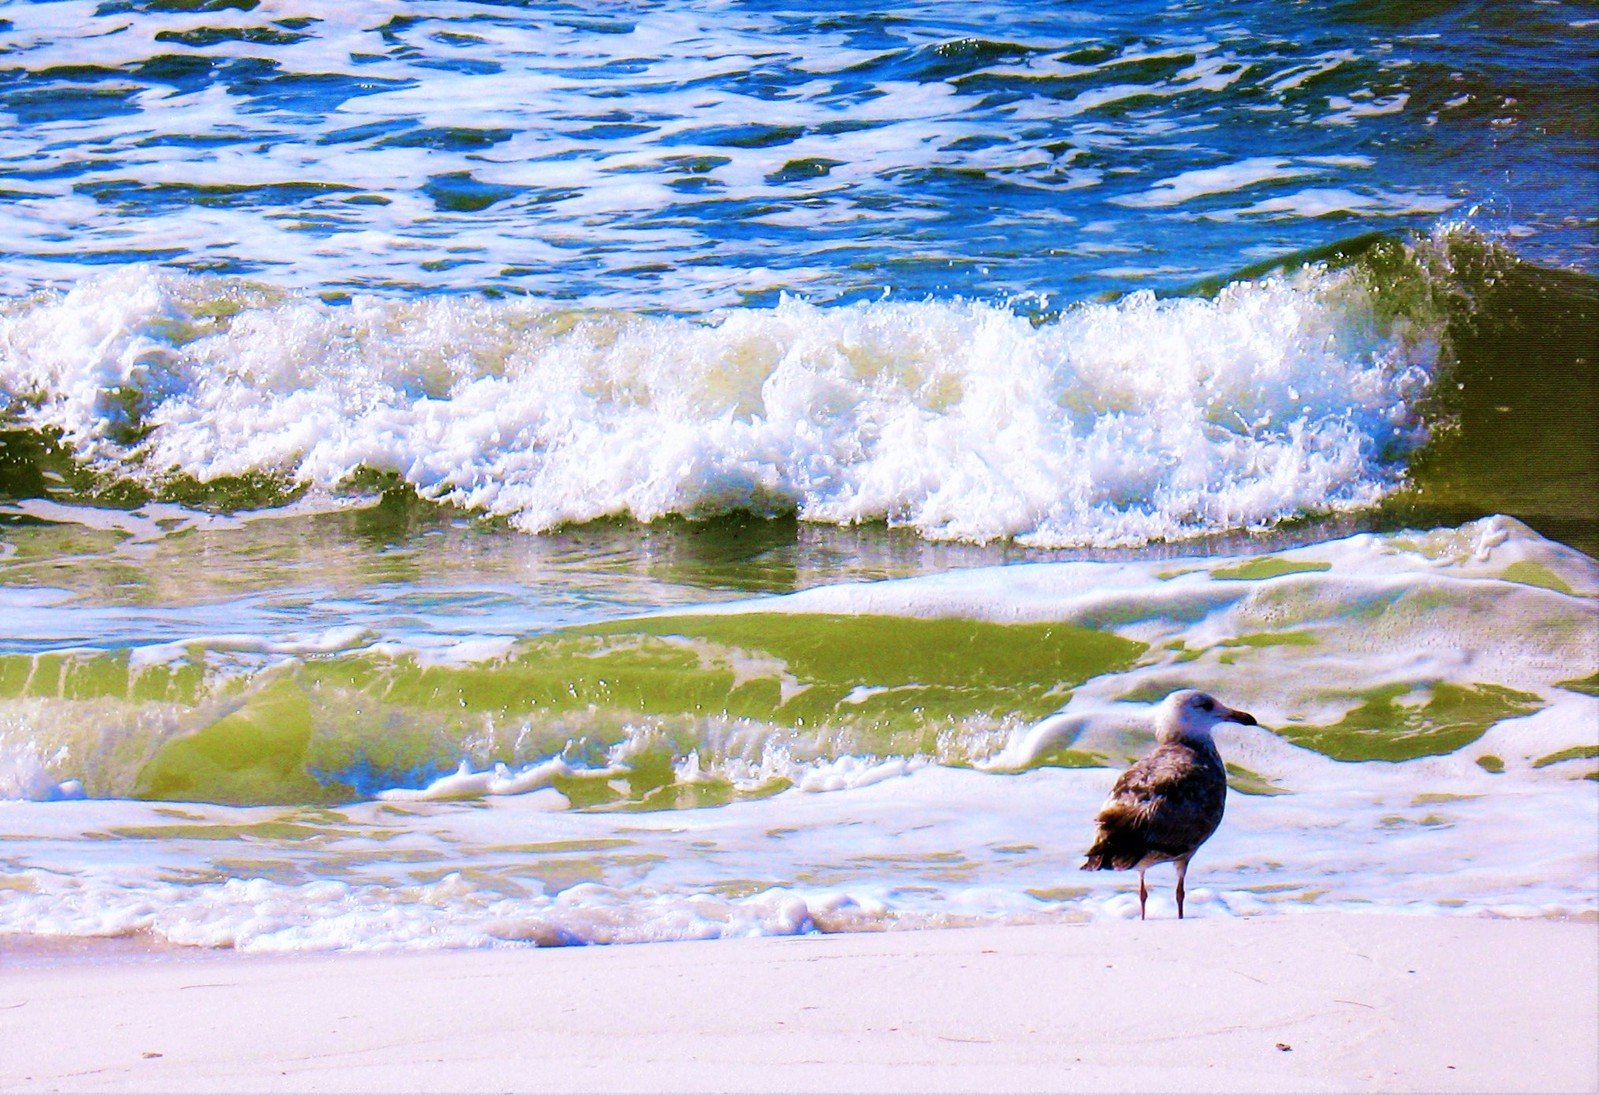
500,474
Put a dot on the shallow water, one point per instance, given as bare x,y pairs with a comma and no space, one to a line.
921,751
478,474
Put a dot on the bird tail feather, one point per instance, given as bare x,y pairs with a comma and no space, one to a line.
1109,854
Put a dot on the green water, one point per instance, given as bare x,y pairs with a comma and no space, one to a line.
1449,717
626,703
328,729
1523,437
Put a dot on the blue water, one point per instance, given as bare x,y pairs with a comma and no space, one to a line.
678,156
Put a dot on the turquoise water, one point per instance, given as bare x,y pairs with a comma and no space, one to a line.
492,474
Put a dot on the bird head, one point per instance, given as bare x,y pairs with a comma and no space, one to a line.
1193,714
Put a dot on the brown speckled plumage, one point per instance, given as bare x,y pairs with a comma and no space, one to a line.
1170,802
1161,809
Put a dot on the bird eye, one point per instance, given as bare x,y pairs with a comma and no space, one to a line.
1206,704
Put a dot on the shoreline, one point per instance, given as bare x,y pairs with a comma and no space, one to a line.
1360,1001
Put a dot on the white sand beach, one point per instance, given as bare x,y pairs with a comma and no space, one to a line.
1312,1002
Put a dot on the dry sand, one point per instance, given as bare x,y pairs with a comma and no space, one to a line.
1287,1003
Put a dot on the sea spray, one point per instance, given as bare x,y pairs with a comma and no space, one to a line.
1113,424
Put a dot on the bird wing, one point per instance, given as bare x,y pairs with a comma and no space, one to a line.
1166,805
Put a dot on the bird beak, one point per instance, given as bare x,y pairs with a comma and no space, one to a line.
1243,718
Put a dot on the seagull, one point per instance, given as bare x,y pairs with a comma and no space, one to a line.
1165,806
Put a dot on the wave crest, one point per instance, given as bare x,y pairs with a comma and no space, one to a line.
1112,424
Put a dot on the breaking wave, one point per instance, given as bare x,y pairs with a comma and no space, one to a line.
1109,424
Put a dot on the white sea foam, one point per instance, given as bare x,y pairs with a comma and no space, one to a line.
1297,75
1348,111
776,762
156,520
1216,180
26,773
1115,424
936,847
1322,202
1477,557
1490,604
334,639
465,783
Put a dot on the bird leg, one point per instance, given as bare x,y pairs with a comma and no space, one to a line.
1143,893
1182,869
